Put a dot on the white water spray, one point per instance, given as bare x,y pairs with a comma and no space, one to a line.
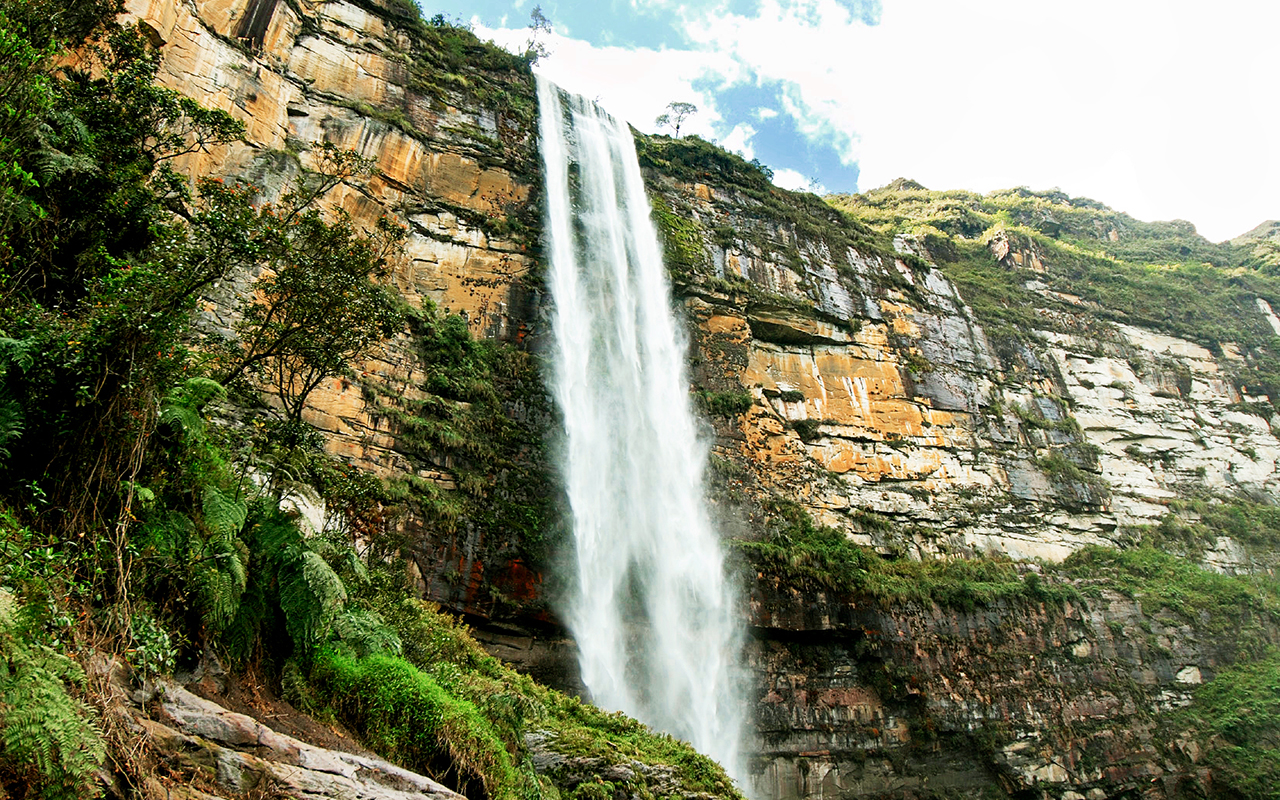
653,615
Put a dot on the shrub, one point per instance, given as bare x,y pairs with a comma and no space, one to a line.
404,714
726,404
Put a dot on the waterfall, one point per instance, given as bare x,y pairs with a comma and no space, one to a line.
653,613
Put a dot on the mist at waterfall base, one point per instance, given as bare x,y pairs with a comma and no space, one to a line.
653,613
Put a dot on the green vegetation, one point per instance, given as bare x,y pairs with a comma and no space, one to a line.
315,309
1164,581
484,414
808,556
1239,711
725,404
1158,275
694,160
50,737
452,66
809,430
449,709
682,239
404,714
147,467
1255,525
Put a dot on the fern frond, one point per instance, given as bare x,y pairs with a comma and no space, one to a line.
272,535
224,515
11,423
310,595
20,353
366,632
182,419
44,728
219,574
164,537
182,408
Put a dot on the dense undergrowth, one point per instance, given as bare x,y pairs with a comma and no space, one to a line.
1240,710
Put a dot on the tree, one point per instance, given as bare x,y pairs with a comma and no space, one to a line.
677,112
316,306
539,25
93,301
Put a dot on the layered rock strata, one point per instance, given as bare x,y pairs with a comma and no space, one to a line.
877,389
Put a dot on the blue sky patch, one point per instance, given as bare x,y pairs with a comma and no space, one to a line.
778,142
603,23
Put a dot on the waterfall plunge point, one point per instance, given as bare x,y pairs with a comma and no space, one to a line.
653,612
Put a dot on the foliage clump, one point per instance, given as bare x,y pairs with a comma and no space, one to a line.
806,555
725,404
1166,581
49,737
1238,713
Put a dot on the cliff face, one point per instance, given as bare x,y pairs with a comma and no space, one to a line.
926,374
450,124
879,389
882,404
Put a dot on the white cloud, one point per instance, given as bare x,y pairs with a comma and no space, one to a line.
796,181
739,141
635,84
763,113
1161,109
1164,109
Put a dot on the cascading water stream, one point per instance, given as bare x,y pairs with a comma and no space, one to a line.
653,614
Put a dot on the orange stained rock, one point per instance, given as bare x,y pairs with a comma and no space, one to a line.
350,23
200,65
901,318
728,324
840,387
462,181
356,75
841,456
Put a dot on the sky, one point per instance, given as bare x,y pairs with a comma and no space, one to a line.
1164,109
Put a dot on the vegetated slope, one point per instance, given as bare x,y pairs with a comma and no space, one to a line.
1157,275
1261,246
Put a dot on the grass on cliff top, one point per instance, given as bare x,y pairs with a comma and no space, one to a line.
1158,275
691,159
449,709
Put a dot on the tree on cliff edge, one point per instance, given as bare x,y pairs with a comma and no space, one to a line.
676,113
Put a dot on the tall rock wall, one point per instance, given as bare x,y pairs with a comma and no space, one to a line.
877,389
449,124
